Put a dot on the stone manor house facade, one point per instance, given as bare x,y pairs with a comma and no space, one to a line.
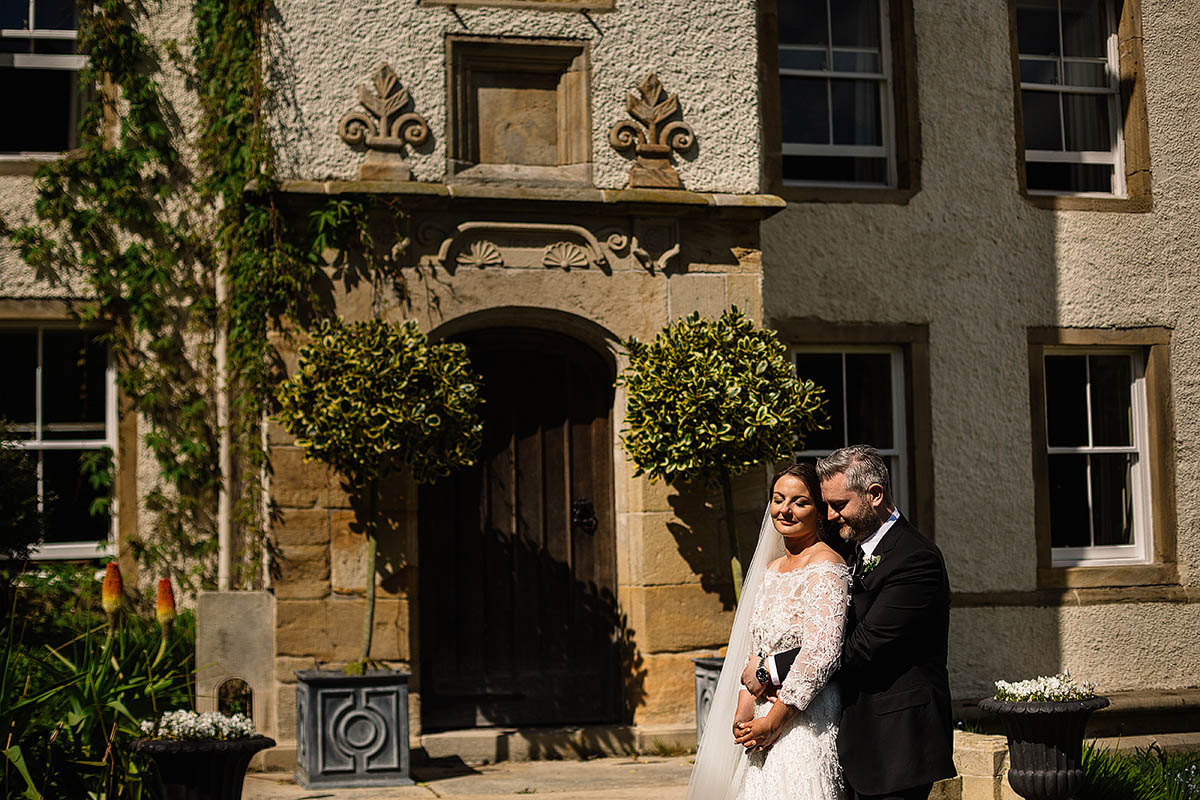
977,224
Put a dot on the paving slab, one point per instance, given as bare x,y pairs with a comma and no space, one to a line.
596,779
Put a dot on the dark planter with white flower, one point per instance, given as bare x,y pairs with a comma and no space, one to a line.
1045,739
200,756
352,730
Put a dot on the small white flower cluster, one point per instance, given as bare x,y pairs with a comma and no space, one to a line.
183,725
1055,689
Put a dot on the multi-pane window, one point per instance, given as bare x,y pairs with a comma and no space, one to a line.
835,100
1070,97
59,404
1096,442
864,398
39,76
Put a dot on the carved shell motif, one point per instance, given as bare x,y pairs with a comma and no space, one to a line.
481,253
564,255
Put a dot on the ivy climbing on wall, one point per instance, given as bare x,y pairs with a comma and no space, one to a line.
140,223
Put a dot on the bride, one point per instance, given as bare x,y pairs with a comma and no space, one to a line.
795,595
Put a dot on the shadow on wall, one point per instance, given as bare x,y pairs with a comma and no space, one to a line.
700,532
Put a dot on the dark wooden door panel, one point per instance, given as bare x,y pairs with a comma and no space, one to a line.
518,610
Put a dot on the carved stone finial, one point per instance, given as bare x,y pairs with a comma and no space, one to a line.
653,147
384,136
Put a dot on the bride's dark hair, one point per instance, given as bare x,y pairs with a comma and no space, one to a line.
807,472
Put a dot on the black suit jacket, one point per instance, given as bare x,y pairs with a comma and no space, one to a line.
896,730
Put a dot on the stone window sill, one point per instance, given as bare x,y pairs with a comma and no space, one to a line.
1082,577
1140,204
820,194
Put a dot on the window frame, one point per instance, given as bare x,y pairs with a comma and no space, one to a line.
1115,157
46,61
1132,168
83,549
912,342
899,448
900,117
1112,555
1158,502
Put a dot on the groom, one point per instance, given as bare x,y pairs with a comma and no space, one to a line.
896,736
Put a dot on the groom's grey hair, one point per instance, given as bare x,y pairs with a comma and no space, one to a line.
861,464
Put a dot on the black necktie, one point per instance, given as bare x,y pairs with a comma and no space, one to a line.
858,559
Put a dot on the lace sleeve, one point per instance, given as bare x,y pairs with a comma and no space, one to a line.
823,599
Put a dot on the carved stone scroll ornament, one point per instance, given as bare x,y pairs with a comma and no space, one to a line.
653,168
385,131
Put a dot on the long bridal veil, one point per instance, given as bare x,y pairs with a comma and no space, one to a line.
717,772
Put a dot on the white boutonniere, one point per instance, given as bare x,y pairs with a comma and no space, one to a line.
870,563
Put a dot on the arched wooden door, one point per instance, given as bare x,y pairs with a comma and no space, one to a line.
517,555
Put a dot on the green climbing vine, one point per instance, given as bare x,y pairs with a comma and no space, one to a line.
130,221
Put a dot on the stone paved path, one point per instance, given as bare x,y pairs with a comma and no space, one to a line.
598,779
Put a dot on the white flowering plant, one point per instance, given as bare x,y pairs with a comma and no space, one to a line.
188,725
1047,689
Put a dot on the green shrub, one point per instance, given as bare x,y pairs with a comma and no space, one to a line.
370,398
708,399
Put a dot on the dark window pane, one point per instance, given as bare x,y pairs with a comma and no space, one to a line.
869,399
1037,27
1045,176
825,370
1111,404
1084,28
1112,498
856,113
855,23
802,22
68,500
14,14
804,109
1043,126
54,14
790,58
51,92
1085,117
1036,71
1069,515
1082,73
73,377
835,169
844,61
1066,401
18,365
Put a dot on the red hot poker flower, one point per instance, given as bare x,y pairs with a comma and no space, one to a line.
164,609
112,593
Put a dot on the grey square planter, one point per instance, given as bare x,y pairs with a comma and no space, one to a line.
708,670
352,730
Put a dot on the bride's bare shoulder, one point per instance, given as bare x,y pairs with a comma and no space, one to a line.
824,554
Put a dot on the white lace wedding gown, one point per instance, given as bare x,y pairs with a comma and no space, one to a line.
803,608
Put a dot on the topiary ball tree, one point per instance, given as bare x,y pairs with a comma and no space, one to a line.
370,398
708,399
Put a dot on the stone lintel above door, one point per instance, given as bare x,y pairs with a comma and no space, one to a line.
475,226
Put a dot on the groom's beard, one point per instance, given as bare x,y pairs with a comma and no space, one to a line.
859,527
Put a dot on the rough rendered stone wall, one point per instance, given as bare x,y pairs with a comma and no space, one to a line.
704,52
978,264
